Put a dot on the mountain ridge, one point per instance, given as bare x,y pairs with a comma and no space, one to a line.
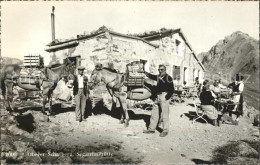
10,60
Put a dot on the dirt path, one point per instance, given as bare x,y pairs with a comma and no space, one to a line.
101,139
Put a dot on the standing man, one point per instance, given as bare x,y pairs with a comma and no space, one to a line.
164,92
80,92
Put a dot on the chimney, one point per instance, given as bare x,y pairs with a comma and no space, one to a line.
53,58
53,24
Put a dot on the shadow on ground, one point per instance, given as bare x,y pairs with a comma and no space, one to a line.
144,117
115,112
25,122
235,152
234,149
199,161
192,114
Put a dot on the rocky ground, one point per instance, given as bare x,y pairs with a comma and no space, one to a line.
34,138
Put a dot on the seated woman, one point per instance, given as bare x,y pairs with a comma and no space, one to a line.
221,86
207,103
220,90
205,82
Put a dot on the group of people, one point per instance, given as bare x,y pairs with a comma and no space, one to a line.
165,89
160,112
233,93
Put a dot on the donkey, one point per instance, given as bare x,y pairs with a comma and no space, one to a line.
46,83
115,84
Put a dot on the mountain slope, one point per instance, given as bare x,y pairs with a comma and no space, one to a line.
237,53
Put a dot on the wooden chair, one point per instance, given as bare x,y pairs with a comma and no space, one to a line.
200,114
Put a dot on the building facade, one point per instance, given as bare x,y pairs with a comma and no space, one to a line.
115,50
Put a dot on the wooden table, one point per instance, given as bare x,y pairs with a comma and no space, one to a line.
226,112
222,104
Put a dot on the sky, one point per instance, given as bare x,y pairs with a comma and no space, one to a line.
26,26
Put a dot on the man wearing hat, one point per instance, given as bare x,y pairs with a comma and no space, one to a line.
80,92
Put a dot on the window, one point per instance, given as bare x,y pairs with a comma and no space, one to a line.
176,72
178,45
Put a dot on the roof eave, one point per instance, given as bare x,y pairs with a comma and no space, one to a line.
62,46
133,37
192,51
160,34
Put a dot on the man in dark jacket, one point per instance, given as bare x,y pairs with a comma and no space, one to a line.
80,92
164,92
